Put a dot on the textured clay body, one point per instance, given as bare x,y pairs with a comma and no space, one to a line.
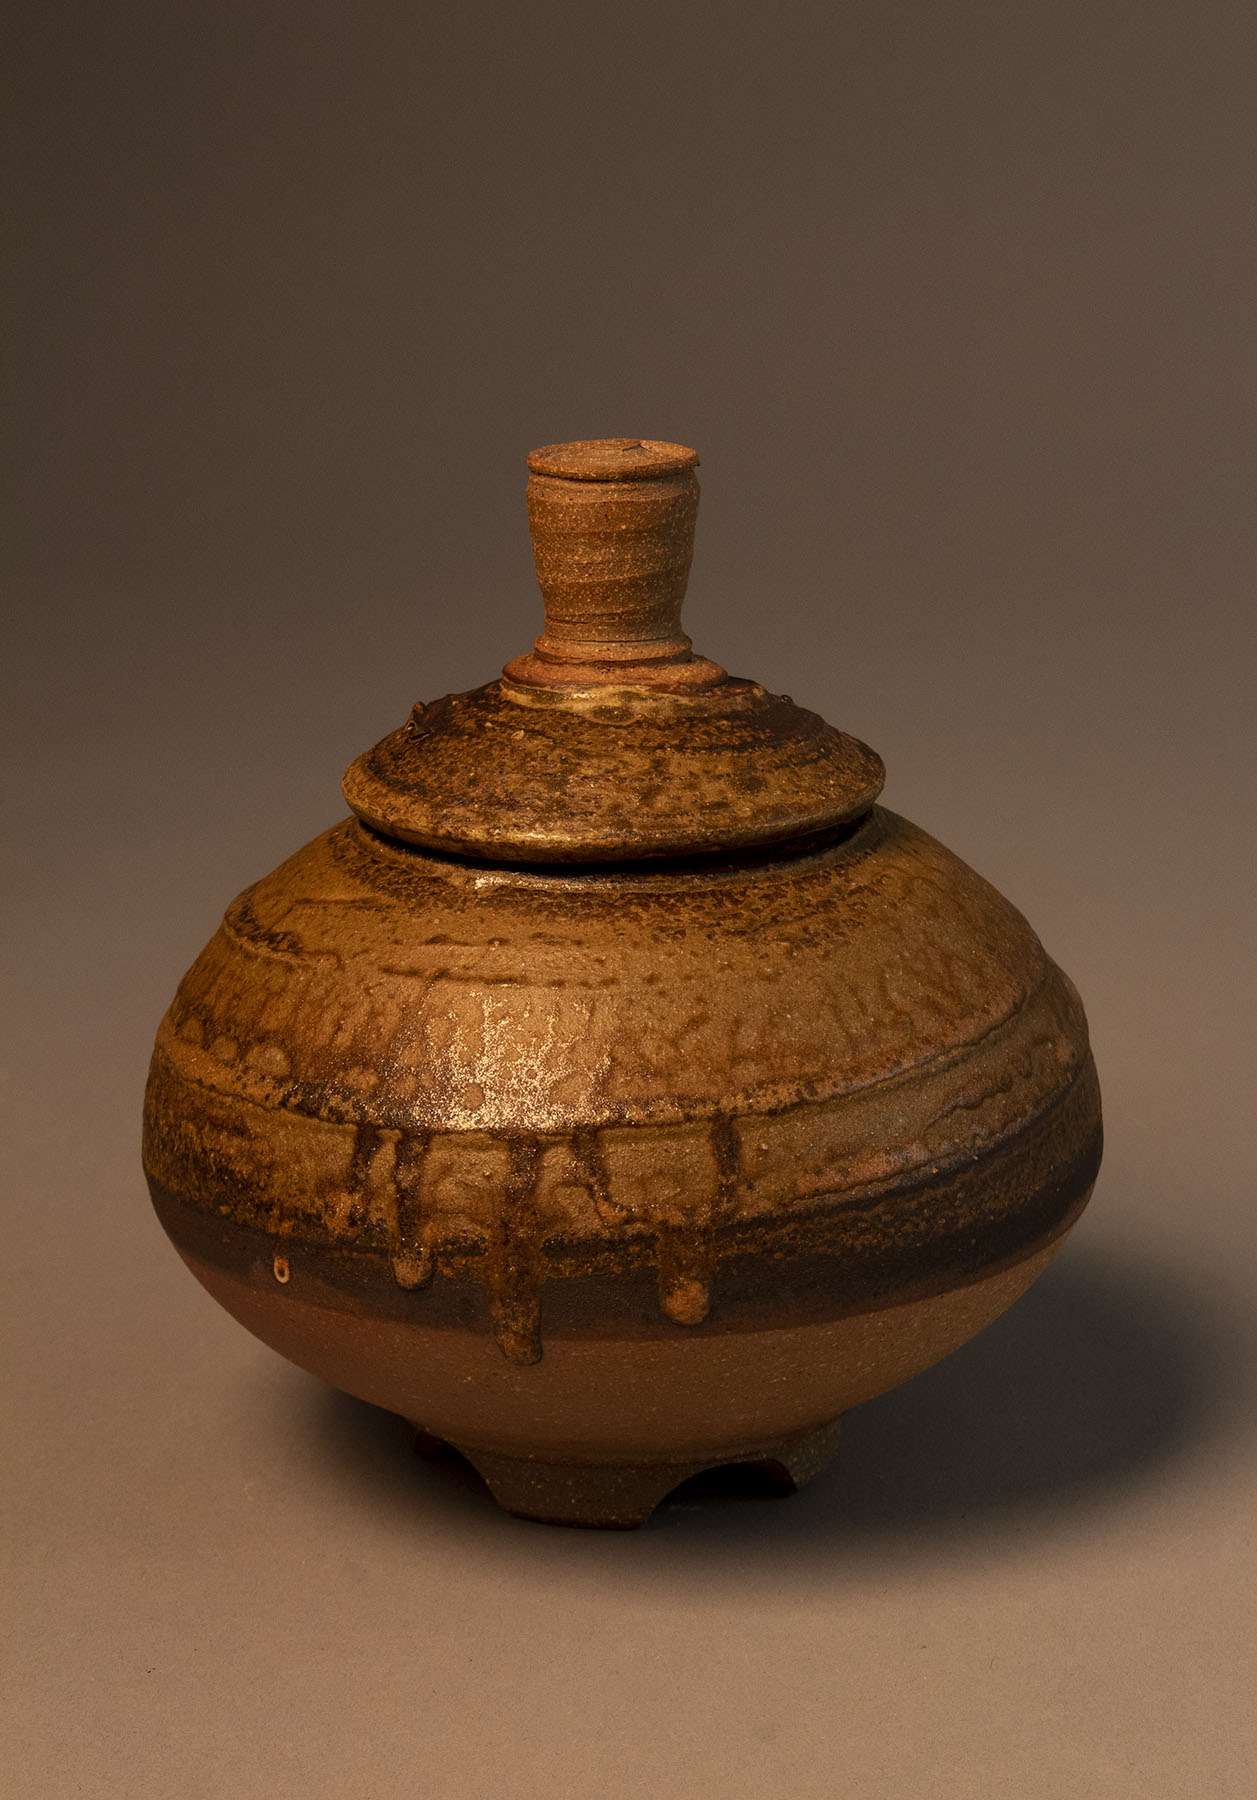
606,1172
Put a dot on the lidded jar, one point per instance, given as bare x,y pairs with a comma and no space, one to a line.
619,1091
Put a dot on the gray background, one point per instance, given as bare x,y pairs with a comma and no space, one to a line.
957,303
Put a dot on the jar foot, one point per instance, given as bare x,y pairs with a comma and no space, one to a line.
622,1495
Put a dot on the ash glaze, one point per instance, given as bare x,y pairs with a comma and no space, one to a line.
591,1113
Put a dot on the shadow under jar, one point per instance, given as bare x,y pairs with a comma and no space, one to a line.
620,1092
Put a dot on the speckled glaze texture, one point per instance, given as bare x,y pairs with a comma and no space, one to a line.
534,775
607,1171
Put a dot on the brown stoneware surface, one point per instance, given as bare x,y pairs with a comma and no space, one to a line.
611,773
956,303
775,1122
612,523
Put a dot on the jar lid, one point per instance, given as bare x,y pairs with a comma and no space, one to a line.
611,740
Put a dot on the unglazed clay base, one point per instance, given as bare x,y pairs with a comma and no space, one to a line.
601,1429
622,1495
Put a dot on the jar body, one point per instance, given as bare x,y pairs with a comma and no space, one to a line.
597,1167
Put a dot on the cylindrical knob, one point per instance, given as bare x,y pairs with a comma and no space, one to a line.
612,522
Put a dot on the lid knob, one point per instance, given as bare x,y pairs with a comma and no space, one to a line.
612,523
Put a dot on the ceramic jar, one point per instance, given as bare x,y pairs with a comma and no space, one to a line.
620,1091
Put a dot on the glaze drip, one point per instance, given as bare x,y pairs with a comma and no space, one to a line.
591,1171
513,1265
513,1273
687,1251
412,1259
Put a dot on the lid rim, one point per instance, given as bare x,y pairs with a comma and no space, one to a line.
611,775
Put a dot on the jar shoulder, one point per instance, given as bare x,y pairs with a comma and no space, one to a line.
450,994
